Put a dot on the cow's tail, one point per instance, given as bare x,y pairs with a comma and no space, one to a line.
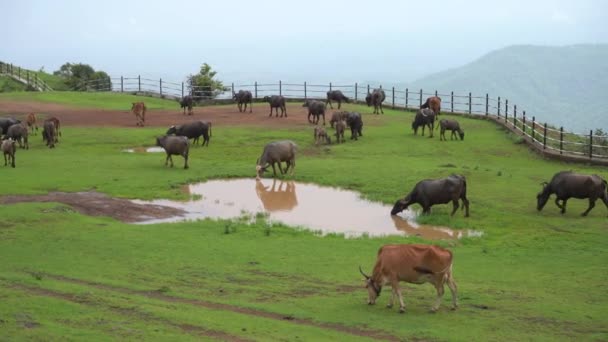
209,129
464,190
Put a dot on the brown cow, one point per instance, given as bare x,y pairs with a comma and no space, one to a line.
57,124
31,122
412,263
139,110
434,103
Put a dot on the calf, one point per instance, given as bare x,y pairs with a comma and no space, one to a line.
174,145
187,102
415,264
31,122
321,136
315,109
340,128
139,110
9,149
49,133
450,125
355,122
19,133
337,116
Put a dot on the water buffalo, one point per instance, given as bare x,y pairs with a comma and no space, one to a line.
31,122
315,109
49,133
567,184
5,123
139,110
174,145
429,192
321,136
450,125
277,152
335,95
193,130
424,117
276,101
9,149
57,124
187,102
355,122
243,97
434,103
337,116
376,98
19,133
340,128
415,264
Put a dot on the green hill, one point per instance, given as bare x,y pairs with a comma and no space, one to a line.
561,85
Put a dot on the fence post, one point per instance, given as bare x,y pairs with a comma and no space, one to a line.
590,144
545,137
139,82
305,91
498,107
232,86
19,72
514,111
368,88
28,78
452,102
280,88
329,86
523,127
487,103
407,91
506,117
420,105
506,107
470,104
356,92
255,87
533,127
182,90
393,97
160,83
515,119
435,92
561,139
121,84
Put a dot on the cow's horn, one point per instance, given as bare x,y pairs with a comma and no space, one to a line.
365,275
544,183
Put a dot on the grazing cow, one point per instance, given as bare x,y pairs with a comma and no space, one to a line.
57,124
243,97
376,98
139,110
355,122
340,128
415,264
567,184
5,123
335,95
321,136
434,103
424,117
277,152
9,149
19,133
337,116
429,192
174,145
276,101
31,122
450,125
315,109
187,102
49,133
193,130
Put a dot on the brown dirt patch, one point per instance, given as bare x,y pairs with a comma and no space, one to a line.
97,204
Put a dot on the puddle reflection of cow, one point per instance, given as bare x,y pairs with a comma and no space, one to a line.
426,232
277,198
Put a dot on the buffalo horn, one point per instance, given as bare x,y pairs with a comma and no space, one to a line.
365,275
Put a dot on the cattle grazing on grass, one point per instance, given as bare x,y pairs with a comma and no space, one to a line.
193,130
49,133
139,110
276,102
277,152
243,98
31,122
450,125
567,184
321,136
335,95
9,148
415,264
19,133
429,192
5,123
187,102
355,122
376,98
315,109
434,103
340,128
424,117
337,116
174,145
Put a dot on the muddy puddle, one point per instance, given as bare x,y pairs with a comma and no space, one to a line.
324,209
154,149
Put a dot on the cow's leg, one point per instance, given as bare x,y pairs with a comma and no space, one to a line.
431,127
591,205
557,203
323,119
5,163
339,104
440,291
564,205
167,160
171,160
293,166
381,108
391,300
465,203
453,290
185,161
396,289
455,203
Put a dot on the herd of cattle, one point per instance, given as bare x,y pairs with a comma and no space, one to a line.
411,263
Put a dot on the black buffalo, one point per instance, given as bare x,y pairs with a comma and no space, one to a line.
567,184
429,192
243,97
193,130
335,95
355,122
187,102
315,109
276,101
376,98
424,117
5,123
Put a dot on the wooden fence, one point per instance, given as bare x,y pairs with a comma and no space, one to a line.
27,77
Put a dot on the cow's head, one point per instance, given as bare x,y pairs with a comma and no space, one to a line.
542,197
159,141
368,99
400,206
373,288
461,133
259,169
172,130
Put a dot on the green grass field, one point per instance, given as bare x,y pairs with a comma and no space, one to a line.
101,100
531,276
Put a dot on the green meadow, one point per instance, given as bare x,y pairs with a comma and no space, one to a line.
531,276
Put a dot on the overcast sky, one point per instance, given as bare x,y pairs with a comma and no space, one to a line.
313,40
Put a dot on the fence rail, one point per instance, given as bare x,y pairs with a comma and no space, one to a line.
27,77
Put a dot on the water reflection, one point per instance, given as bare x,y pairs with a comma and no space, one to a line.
326,209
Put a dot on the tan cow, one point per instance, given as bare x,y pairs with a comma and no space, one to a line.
139,110
434,103
412,263
31,122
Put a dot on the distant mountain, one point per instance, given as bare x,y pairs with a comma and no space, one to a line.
560,85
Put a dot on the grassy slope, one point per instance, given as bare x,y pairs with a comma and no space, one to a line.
100,100
7,84
533,276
